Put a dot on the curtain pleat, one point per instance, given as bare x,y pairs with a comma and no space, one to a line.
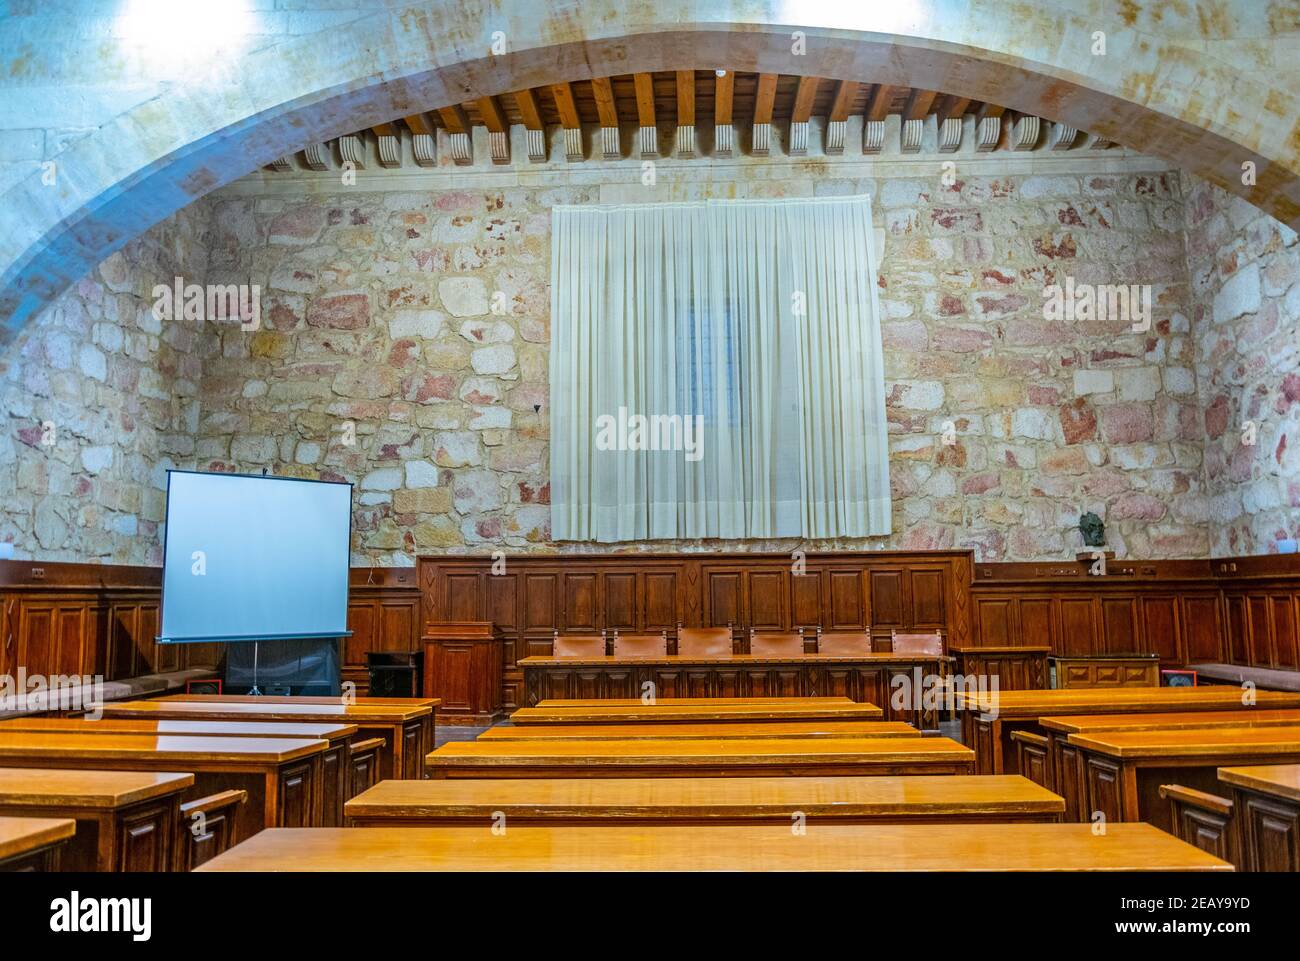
758,321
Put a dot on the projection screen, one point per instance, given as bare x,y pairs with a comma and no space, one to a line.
250,558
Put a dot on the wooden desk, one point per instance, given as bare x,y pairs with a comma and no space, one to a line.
810,757
859,677
126,820
696,714
759,847
404,728
339,765
1123,770
734,729
32,844
617,801
988,720
282,775
1105,671
1016,668
432,703
1266,815
556,702
1065,773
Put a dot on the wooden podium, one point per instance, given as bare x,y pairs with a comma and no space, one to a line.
462,665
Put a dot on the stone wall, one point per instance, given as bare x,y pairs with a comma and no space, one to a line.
382,360
1245,274
97,398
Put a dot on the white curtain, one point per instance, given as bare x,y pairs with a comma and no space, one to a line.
756,320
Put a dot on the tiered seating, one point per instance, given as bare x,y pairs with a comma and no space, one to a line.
719,783
170,783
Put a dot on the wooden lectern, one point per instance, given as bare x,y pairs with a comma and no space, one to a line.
462,665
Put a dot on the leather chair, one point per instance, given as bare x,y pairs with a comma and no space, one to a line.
843,643
916,643
578,645
776,644
641,645
704,641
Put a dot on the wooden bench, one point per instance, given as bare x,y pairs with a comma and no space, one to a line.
556,702
282,775
864,676
988,719
695,713
404,727
1201,819
756,847
604,802
737,729
208,828
126,820
810,757
32,844
1266,812
78,697
1124,770
1266,678
1064,767
339,762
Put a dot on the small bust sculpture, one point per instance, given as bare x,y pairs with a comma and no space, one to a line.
1093,530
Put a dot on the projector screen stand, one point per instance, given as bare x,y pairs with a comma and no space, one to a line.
255,691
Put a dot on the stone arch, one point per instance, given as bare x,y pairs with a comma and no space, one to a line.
1155,90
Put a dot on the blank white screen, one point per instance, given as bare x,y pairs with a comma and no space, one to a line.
273,556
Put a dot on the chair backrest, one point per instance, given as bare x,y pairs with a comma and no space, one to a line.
704,641
578,645
845,643
916,643
776,644
641,645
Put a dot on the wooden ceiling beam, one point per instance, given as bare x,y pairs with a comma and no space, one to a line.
685,83
723,91
918,104
494,118
724,134
602,91
458,130
805,95
647,132
951,106
529,110
845,91
535,131
567,108
764,97
879,102
837,116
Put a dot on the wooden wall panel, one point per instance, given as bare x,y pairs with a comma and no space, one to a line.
1284,631
929,601
887,598
1202,626
620,602
1160,626
1078,625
